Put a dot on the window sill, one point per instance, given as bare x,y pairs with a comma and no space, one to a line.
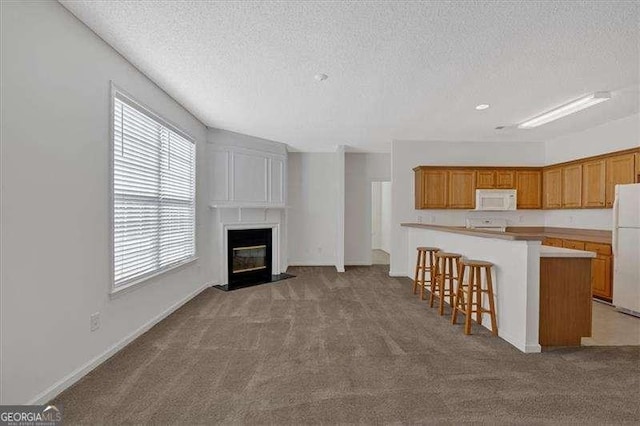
141,282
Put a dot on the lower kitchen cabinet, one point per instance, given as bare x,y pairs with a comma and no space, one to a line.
553,242
601,265
601,270
601,277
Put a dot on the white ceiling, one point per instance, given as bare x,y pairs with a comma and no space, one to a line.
397,70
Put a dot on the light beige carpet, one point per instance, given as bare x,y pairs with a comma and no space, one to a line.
356,347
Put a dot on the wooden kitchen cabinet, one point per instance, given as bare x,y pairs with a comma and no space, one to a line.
552,183
585,183
553,242
593,183
565,301
529,187
505,179
601,270
485,179
572,186
620,169
432,189
572,244
601,277
462,187
601,265
495,179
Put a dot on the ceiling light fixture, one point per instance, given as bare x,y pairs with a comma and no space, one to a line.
321,77
482,106
566,109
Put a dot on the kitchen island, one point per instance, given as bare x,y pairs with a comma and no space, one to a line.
543,294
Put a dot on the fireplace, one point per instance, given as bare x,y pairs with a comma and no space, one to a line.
249,256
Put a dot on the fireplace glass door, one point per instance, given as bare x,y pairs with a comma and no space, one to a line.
252,258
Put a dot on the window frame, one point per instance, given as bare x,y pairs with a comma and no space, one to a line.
136,282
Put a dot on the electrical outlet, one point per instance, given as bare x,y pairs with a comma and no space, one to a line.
571,219
521,218
419,219
433,219
95,321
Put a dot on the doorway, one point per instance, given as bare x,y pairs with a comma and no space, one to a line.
380,222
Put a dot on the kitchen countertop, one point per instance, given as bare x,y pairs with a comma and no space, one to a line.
525,233
590,235
479,233
548,251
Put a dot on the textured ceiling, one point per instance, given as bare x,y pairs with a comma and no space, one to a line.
397,70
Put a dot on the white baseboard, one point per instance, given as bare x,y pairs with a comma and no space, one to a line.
76,375
311,263
398,274
340,268
357,263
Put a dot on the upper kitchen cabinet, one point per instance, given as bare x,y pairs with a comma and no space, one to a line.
620,169
431,188
462,187
585,183
485,179
552,193
593,183
529,187
572,186
505,179
495,179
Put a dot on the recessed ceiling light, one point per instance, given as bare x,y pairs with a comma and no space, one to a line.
482,106
566,109
321,77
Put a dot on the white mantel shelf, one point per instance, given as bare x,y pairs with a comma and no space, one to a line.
248,206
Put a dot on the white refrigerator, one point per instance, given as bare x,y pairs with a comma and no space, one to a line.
626,249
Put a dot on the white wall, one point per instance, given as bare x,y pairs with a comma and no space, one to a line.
406,155
360,170
340,206
381,216
246,170
385,216
376,215
312,206
612,136
55,203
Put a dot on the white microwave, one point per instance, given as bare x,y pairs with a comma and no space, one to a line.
496,199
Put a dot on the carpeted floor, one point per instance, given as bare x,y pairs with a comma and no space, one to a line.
345,348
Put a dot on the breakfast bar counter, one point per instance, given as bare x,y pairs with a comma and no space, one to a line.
543,294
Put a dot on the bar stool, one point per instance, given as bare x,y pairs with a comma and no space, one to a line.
466,291
446,267
422,267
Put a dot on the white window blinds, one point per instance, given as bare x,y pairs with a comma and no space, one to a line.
153,194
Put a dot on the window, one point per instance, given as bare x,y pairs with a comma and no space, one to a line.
153,194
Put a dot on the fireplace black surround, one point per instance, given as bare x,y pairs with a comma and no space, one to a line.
249,259
249,256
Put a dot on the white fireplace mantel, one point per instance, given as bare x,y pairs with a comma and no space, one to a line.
247,206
